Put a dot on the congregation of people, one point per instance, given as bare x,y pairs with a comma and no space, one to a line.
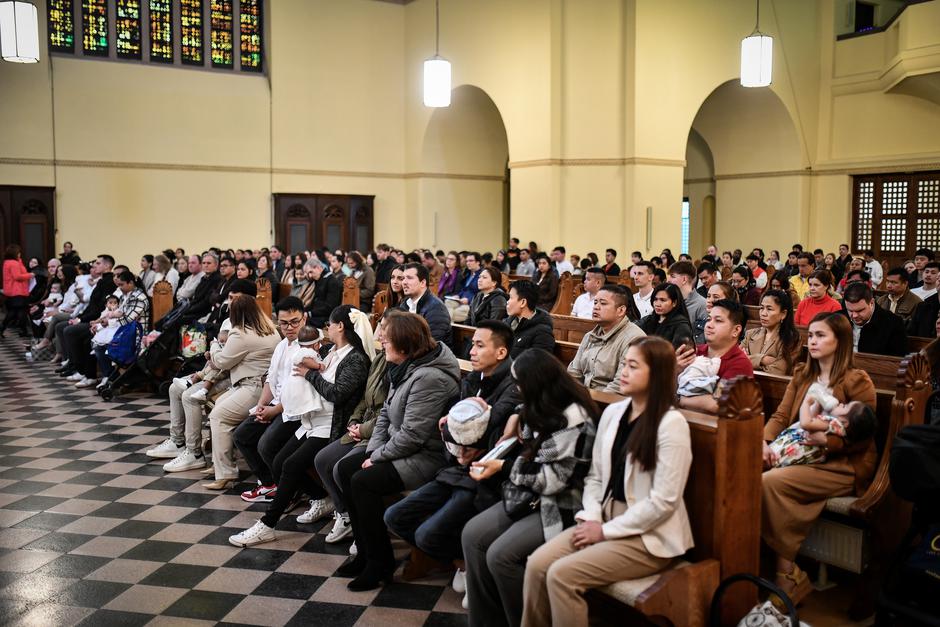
494,455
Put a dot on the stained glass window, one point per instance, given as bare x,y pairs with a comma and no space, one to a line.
127,29
191,33
161,31
221,38
95,27
251,27
61,26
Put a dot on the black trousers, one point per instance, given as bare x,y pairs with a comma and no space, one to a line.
17,313
365,490
260,442
76,340
290,473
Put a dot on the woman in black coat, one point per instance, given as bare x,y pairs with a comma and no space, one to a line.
670,319
547,282
490,302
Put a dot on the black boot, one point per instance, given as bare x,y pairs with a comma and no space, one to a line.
374,576
353,567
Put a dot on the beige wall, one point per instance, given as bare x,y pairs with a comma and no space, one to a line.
591,101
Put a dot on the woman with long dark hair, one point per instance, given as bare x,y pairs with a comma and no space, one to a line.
490,302
447,286
364,276
775,345
16,290
670,319
743,281
546,279
340,380
405,450
793,497
543,490
642,449
395,293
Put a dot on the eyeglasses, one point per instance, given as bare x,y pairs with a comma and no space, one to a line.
290,324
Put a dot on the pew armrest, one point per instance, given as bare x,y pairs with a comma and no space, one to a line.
682,595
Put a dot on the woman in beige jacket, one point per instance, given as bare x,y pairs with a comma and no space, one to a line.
775,346
633,523
246,355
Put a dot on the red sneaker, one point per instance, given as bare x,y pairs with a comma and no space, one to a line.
260,494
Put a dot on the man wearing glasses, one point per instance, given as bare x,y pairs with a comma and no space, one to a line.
262,435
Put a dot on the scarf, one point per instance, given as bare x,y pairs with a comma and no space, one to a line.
397,373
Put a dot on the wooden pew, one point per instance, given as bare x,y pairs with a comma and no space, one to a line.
570,328
564,351
626,280
379,305
722,498
504,282
162,301
351,292
264,297
565,298
283,290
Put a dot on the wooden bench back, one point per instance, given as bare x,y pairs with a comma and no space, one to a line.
351,292
627,281
565,298
379,305
570,328
505,281
264,297
162,301
283,290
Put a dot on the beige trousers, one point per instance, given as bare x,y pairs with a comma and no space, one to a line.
557,575
229,412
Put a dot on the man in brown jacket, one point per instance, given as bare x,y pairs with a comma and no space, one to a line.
899,300
435,270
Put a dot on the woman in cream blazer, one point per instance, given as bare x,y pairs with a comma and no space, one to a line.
633,521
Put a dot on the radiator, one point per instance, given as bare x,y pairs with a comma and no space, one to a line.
837,544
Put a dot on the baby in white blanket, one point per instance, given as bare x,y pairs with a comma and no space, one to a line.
700,377
298,397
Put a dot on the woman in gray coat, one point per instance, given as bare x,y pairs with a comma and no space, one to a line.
405,450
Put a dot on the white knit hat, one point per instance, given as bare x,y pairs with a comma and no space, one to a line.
467,422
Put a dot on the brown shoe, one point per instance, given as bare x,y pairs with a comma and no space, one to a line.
220,484
795,584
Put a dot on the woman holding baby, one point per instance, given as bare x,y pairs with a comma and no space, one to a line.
793,496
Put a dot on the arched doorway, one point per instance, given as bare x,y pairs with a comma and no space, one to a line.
745,152
463,189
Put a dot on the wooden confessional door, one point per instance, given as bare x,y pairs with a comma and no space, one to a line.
311,221
27,218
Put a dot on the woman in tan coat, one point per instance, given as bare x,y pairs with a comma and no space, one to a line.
793,497
775,345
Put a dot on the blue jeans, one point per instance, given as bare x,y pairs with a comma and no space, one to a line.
432,518
105,365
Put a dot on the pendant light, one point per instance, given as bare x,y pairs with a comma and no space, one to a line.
437,70
19,31
757,57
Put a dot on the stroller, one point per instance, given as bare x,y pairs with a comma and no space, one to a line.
911,594
156,365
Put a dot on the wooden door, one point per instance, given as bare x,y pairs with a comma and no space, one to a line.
334,221
27,218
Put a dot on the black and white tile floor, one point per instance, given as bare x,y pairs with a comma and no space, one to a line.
93,532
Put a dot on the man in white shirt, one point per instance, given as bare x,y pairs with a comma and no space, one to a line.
594,280
931,274
642,275
873,268
560,258
264,432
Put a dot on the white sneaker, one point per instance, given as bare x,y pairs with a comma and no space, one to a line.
460,582
182,382
341,528
86,383
75,378
185,461
259,533
103,383
199,395
465,603
319,508
353,550
166,450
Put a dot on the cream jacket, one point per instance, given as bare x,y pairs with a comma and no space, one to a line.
655,506
246,354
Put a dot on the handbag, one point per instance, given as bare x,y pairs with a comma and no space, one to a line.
193,341
518,502
763,615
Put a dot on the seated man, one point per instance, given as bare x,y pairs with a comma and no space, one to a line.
928,285
560,261
899,300
583,306
459,306
75,337
799,283
419,300
707,276
642,275
327,293
873,267
874,329
532,327
190,279
201,303
598,361
611,268
682,275
526,266
432,517
722,332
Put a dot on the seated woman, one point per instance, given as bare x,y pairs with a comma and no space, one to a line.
857,264
405,450
353,443
340,380
287,275
301,287
792,497
780,282
395,293
542,493
776,344
817,300
246,356
450,277
365,276
743,282
721,290
546,279
244,271
265,269
134,307
643,449
670,319
490,302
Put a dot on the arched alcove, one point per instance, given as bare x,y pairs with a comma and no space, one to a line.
462,185
746,142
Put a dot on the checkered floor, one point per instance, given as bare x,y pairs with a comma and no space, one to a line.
93,532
